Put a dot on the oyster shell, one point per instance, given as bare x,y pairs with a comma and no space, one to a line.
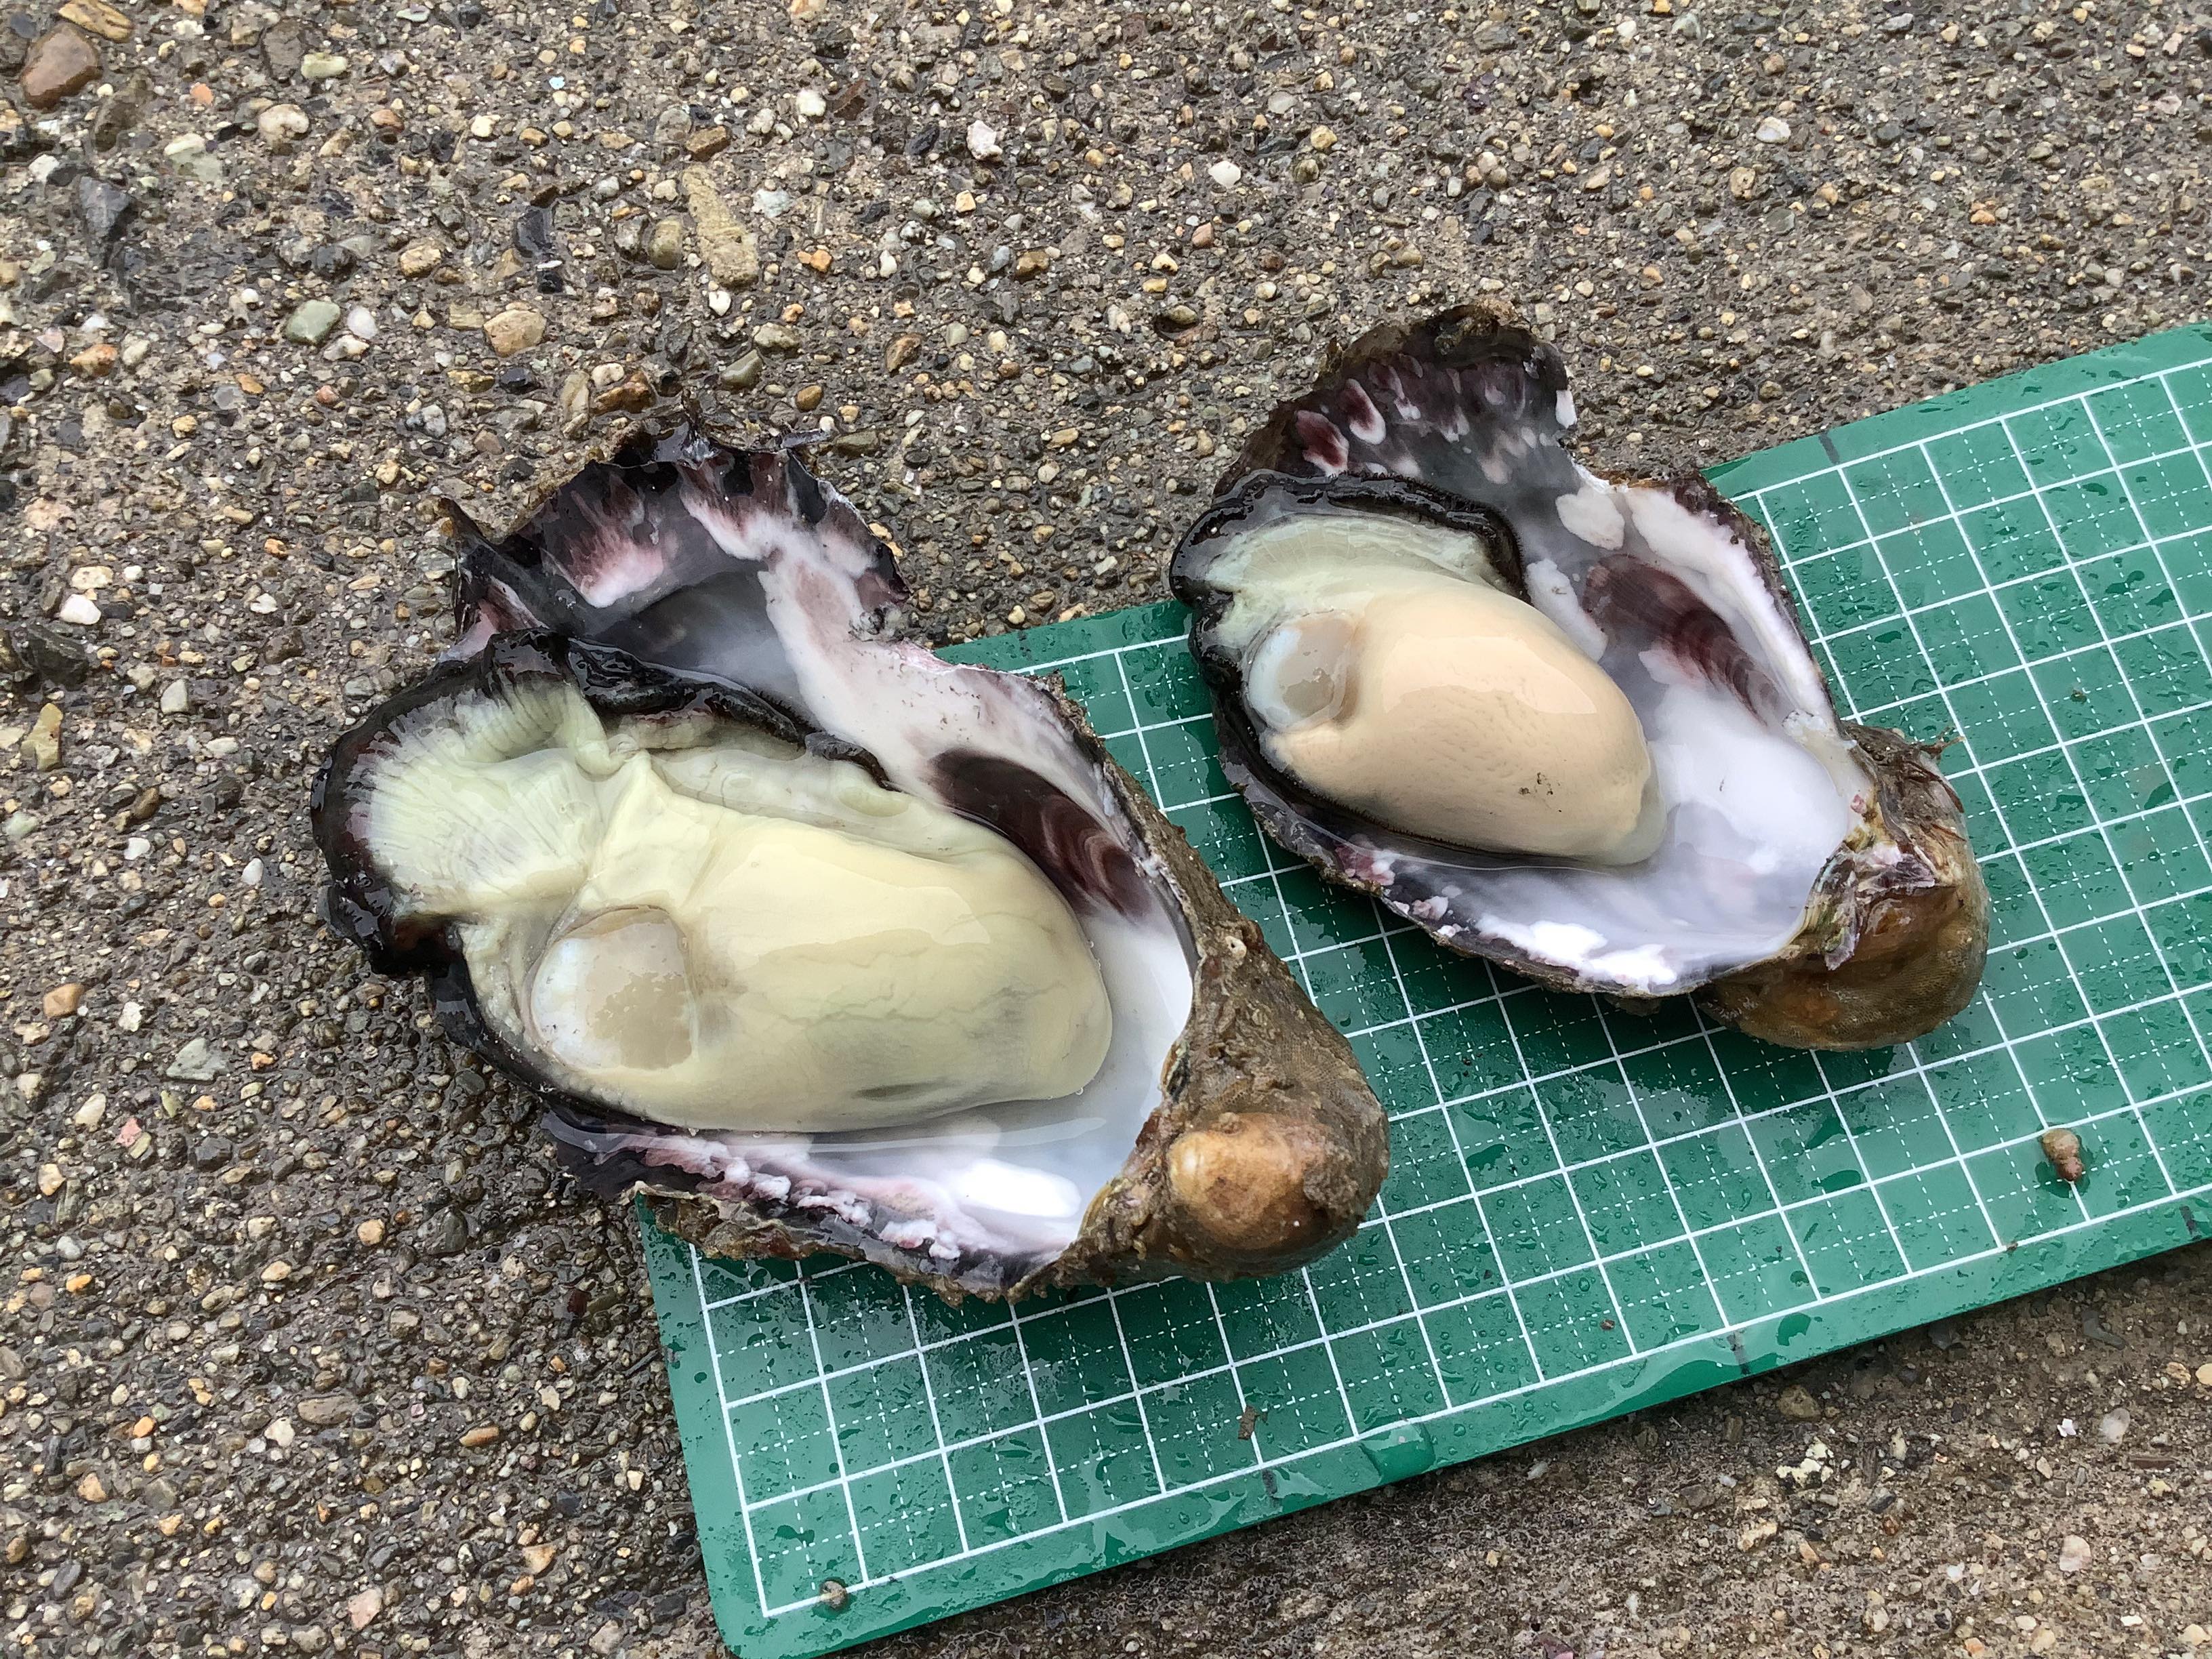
665,830
1569,724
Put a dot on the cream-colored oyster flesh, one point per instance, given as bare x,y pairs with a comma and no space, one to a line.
734,933
1433,701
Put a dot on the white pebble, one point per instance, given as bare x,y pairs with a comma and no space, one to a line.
1225,173
281,122
361,323
983,142
810,104
79,609
1773,131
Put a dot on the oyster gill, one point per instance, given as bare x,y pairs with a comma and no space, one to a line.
1378,602
672,672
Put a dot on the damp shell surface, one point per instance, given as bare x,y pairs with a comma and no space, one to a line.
686,584
1809,881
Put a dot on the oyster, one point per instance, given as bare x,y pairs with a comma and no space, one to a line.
1569,724
818,941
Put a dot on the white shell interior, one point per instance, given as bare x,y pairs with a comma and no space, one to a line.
1755,803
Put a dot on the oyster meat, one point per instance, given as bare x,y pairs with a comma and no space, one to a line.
1564,722
818,941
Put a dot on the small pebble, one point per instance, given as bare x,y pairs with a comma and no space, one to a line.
60,62
516,329
2062,1149
1797,1404
312,322
664,247
280,123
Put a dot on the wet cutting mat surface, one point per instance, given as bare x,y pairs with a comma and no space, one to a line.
1588,1211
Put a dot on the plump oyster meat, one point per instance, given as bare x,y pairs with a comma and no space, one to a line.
706,923
818,941
1566,723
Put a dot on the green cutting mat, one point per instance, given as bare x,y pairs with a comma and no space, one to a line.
1588,1211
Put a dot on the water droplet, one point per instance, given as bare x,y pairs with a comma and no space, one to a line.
1399,1452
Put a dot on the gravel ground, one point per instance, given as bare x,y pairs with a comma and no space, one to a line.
305,1347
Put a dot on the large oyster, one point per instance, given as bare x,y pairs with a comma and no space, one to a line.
1566,723
820,941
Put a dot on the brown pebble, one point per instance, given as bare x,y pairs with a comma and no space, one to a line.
60,62
2062,1148
633,393
97,17
483,1435
370,1232
62,1001
808,398
1795,1404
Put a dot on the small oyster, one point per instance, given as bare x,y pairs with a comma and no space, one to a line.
1566,723
820,941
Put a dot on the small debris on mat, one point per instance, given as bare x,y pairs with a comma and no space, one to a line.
834,1595
2062,1148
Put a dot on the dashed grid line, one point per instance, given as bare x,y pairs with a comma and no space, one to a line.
1935,1159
